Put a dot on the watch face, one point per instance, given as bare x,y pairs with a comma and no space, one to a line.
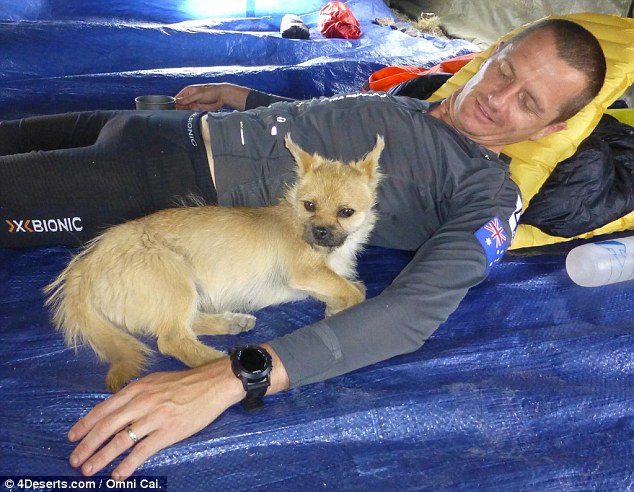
252,364
253,360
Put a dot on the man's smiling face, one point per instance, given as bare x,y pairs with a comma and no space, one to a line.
516,95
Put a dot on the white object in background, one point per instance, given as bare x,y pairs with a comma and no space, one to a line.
602,263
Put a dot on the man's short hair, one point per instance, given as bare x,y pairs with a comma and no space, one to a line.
581,50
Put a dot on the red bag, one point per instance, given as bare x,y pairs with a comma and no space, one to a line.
336,20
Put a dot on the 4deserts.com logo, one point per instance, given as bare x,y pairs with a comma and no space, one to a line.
32,226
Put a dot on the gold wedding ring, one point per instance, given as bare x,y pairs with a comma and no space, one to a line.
132,434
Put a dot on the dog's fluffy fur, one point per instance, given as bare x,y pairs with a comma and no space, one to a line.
184,271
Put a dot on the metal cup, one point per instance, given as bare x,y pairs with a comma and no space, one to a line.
155,102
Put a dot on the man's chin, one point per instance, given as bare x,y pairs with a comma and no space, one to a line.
476,129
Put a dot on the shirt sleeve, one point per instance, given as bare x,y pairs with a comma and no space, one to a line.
257,99
421,87
424,294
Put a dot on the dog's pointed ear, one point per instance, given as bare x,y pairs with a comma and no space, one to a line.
369,165
303,159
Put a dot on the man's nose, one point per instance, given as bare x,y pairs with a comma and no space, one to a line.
502,96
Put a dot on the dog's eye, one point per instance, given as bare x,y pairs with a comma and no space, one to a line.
346,212
309,206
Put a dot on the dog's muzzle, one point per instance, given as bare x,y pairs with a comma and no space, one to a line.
325,236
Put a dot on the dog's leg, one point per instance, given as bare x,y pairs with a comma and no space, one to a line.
327,286
183,344
174,332
222,324
128,362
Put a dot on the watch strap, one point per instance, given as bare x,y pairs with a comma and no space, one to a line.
255,392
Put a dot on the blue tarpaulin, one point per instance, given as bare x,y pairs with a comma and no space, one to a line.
85,61
527,386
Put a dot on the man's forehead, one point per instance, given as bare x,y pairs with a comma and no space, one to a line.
548,77
538,45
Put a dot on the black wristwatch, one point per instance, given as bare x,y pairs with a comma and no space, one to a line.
252,365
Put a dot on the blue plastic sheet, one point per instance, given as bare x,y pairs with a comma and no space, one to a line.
527,386
51,65
164,11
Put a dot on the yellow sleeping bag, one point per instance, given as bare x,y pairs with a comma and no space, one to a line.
533,161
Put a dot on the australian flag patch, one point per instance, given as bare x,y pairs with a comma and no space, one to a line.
493,240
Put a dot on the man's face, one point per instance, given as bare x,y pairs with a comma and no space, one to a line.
516,94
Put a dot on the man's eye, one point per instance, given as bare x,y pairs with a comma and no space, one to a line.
346,212
309,206
525,104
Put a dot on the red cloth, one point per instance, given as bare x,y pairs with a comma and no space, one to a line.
336,20
386,78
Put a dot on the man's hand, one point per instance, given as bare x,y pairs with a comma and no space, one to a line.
212,97
159,410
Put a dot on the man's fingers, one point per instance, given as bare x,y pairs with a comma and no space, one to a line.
130,436
184,93
108,419
102,410
120,443
140,453
83,426
102,432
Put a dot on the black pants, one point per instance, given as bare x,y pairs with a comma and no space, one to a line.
64,178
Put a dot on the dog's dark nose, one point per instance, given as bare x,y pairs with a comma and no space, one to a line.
321,232
324,235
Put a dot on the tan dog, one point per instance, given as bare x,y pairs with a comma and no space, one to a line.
183,272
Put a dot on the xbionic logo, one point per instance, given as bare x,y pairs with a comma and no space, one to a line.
67,224
190,130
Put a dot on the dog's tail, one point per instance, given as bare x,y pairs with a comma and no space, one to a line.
73,314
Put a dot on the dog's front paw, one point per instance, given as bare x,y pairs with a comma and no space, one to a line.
331,311
239,322
353,296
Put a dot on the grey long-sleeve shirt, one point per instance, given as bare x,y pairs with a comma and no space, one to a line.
443,196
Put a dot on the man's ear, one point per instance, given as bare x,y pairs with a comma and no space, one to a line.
554,128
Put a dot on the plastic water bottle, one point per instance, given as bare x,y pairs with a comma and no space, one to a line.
602,263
